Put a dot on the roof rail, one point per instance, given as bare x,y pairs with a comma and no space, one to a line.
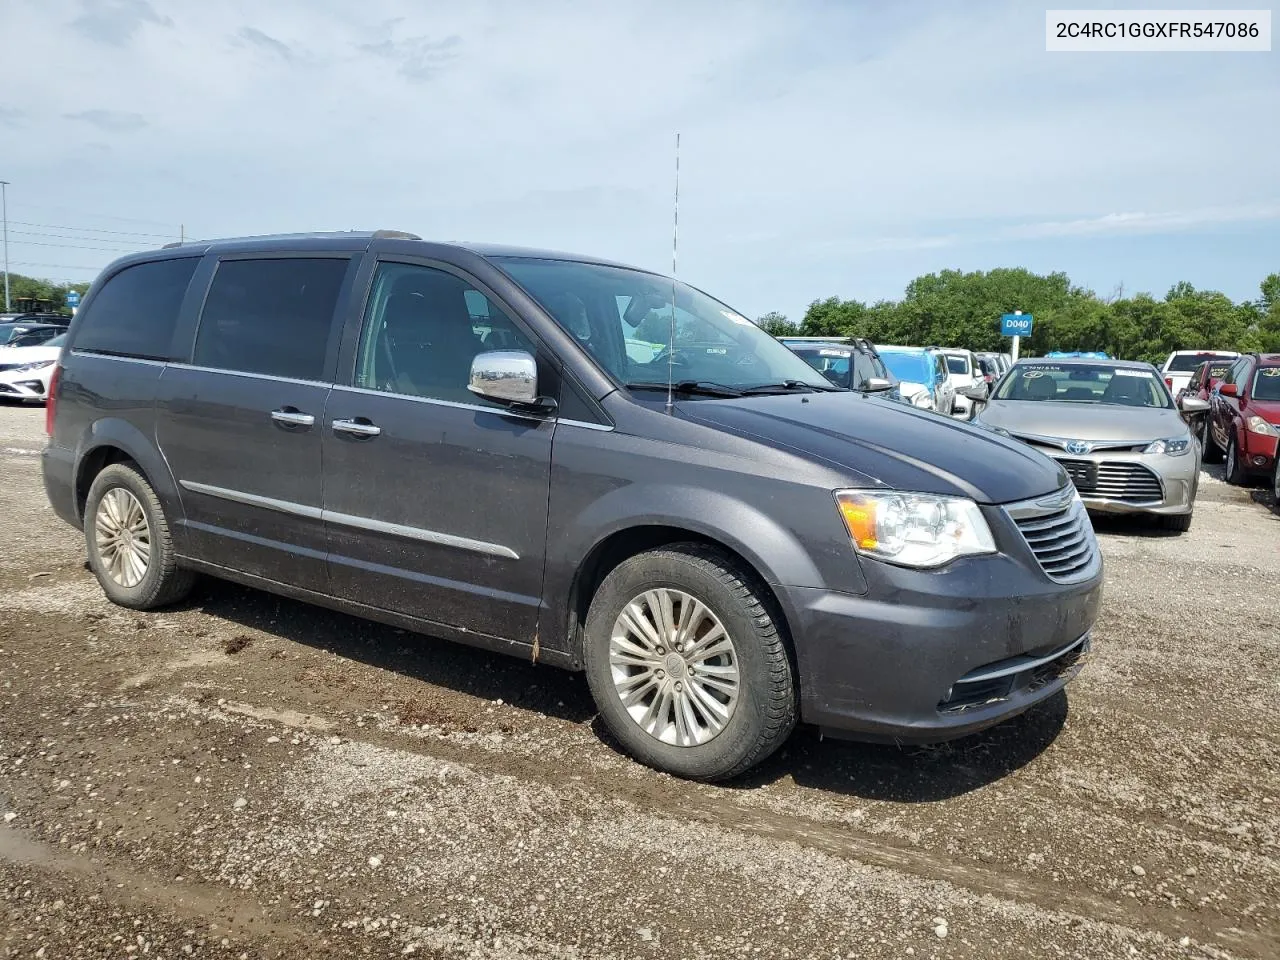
394,235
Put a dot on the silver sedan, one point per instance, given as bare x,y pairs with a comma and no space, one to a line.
1114,428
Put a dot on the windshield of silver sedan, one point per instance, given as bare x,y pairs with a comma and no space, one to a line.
1084,383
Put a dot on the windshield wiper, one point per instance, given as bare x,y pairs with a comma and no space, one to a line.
701,388
787,386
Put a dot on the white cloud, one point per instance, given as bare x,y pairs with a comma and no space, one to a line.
812,132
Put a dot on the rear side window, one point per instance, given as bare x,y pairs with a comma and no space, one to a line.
134,314
270,316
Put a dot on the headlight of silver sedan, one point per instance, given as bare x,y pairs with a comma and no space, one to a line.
1172,447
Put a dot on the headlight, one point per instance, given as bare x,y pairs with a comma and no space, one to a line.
1262,428
38,365
922,400
914,529
1173,447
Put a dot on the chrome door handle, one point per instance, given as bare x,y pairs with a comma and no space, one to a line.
356,428
293,418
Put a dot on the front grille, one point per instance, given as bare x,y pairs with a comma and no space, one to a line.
1061,537
1114,480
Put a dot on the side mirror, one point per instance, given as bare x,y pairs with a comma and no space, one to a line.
1227,389
1190,404
976,391
876,385
507,376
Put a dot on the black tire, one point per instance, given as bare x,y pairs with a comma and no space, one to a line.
766,706
1179,523
164,582
1275,480
1235,472
1211,453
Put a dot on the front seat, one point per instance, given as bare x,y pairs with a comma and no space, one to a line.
1128,391
429,338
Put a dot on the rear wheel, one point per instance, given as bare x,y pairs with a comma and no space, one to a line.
686,663
1234,470
127,537
1211,454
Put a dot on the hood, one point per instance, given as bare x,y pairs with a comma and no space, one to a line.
12,355
1083,421
887,444
1268,410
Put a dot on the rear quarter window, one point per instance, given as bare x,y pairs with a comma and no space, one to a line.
134,313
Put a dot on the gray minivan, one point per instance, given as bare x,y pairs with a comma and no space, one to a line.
574,461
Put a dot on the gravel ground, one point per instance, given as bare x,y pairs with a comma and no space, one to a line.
245,776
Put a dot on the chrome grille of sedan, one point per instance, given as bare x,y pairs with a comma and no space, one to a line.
1114,480
1058,531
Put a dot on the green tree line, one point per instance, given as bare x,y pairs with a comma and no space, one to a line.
957,309
55,293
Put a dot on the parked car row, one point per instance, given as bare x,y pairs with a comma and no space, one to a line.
1239,421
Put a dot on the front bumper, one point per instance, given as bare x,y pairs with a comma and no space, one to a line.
26,388
1128,482
902,662
1260,457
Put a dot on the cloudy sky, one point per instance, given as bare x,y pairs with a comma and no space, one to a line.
834,147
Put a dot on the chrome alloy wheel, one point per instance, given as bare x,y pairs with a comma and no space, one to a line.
123,537
674,667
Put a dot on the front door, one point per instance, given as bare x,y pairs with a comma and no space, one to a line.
435,499
240,425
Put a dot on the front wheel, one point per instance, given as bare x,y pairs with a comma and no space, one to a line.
1275,480
686,663
1178,523
1234,469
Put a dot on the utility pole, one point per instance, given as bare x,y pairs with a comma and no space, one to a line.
4,207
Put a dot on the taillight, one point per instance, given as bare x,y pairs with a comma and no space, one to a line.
51,399
1168,382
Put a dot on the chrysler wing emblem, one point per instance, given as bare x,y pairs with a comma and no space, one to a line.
1078,447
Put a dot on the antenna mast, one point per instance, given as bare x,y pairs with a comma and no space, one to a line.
675,238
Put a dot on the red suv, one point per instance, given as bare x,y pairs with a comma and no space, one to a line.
1204,379
1244,417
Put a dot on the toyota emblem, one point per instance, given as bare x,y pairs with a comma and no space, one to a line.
1078,447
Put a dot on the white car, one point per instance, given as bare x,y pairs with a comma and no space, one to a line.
25,371
1177,370
922,378
965,374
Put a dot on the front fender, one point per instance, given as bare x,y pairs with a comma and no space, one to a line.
773,550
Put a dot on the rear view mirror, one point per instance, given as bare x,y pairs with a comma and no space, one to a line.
507,376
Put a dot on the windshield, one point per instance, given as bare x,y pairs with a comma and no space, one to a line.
911,367
57,341
1187,362
1266,384
843,367
1084,383
622,318
958,364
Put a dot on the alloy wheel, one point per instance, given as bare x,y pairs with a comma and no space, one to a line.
674,667
123,537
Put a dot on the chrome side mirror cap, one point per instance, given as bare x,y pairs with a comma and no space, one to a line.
507,376
1193,404
876,385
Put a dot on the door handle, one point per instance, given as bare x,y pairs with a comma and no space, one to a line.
291,417
356,428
